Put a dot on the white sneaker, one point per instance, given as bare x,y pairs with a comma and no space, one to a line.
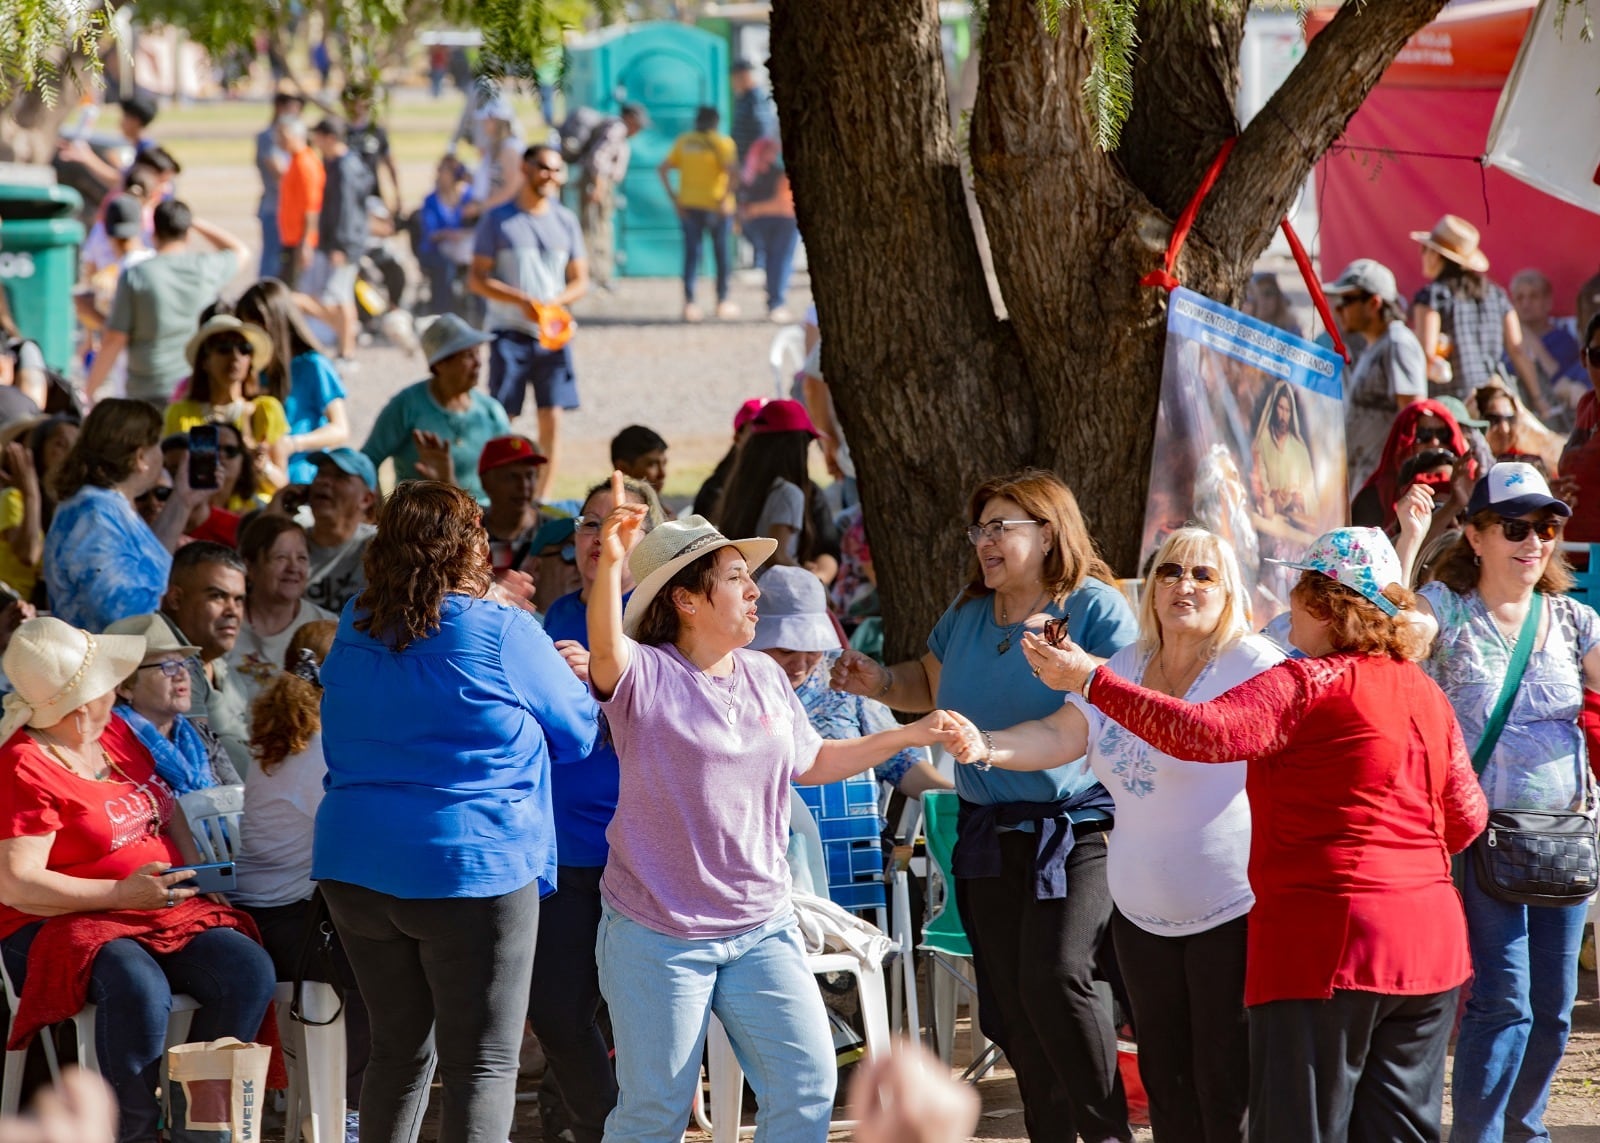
727,310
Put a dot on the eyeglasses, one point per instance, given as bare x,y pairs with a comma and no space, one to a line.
232,345
171,668
1500,419
588,525
995,529
1055,630
1517,530
229,452
1438,436
159,493
1352,300
1171,575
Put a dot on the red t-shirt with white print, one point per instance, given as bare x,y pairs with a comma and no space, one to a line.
102,829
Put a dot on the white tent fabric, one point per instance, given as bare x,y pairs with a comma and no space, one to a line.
1546,130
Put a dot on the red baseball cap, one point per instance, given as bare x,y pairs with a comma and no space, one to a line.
783,416
502,451
747,412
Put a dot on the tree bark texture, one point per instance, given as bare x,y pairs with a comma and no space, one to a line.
935,390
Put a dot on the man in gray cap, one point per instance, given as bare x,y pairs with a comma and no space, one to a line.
1391,371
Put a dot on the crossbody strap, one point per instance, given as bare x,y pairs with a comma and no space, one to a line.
1508,689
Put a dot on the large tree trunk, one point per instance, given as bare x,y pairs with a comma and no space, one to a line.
935,391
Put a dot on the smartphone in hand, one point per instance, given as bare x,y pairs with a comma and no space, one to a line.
216,877
203,446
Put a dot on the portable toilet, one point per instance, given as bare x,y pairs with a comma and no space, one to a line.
670,70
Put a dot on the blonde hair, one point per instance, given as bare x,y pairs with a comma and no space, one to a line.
1189,546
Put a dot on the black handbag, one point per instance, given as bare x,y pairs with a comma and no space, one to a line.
317,961
1535,857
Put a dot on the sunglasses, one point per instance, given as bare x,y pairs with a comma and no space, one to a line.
161,493
1171,575
1500,419
232,345
1591,354
229,452
1518,530
1055,630
1352,300
1438,436
172,668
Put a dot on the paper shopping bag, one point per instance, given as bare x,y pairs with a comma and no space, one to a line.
217,1091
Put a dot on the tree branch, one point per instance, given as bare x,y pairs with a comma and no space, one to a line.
1302,119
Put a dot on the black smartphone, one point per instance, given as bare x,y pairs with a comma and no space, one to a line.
215,877
203,456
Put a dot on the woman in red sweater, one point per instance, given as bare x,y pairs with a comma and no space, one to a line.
1360,788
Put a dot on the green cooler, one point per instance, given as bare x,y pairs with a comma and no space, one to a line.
39,239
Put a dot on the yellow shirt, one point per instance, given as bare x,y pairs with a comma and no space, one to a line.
262,421
702,159
12,570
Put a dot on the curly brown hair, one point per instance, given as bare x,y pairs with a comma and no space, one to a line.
660,622
108,446
289,711
1458,568
430,543
1356,624
1041,495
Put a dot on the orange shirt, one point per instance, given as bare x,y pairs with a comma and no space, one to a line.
299,194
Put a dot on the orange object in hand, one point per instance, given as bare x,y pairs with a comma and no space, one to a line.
556,326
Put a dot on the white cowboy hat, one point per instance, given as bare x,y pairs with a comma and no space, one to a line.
56,668
673,546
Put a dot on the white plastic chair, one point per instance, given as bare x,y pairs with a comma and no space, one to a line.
183,1009
787,354
316,1058
214,815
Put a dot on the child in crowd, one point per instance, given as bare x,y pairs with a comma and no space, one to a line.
642,454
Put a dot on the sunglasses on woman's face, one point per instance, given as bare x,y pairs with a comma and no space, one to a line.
1591,354
1437,436
235,345
229,452
160,493
1171,575
1497,419
1517,530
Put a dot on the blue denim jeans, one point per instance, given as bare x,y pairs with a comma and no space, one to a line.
271,245
778,237
1525,979
696,225
228,973
662,991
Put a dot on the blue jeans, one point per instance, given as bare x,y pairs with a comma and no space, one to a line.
225,971
696,225
271,244
1525,979
778,237
662,991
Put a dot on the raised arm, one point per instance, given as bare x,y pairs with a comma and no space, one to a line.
608,646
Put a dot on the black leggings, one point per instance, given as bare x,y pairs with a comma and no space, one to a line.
1194,1046
1039,995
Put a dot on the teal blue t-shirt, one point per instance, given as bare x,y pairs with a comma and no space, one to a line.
998,690
414,408
313,385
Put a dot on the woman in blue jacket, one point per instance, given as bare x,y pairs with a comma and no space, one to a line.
442,711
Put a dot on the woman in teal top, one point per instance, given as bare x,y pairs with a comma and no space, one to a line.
1030,861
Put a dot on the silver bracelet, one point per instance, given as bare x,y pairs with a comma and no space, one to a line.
888,683
988,752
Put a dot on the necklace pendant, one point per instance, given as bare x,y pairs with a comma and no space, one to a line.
1003,646
731,718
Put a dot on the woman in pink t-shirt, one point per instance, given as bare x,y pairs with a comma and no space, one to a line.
698,919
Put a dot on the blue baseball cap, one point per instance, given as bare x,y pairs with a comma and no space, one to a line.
350,461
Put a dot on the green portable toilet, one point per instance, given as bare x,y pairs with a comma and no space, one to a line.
670,70
39,239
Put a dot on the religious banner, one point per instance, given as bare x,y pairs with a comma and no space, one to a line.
1249,442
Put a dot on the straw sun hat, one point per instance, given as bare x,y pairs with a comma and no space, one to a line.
667,550
56,668
1456,239
260,343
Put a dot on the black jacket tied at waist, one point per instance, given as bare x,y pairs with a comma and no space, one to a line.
977,852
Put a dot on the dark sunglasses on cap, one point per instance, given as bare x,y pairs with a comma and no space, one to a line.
1517,530
1171,575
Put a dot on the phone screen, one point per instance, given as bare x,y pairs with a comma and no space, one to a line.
203,456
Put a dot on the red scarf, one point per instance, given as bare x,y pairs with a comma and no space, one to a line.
1402,437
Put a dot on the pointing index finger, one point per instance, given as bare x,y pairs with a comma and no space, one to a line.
618,490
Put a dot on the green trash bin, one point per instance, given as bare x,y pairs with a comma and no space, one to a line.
39,239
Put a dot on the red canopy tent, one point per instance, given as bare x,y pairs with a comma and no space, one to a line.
1439,97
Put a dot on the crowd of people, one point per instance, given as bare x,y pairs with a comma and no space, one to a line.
531,762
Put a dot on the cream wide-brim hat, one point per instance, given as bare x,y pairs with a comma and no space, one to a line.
1456,239
260,343
56,668
669,549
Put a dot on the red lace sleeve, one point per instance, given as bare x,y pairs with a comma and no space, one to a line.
1466,810
1252,720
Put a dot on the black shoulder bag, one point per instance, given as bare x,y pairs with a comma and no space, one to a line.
1535,857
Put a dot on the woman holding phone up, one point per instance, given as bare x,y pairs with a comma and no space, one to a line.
709,736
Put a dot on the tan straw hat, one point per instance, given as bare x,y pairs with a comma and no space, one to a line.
1454,238
56,668
667,550
260,343
157,635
